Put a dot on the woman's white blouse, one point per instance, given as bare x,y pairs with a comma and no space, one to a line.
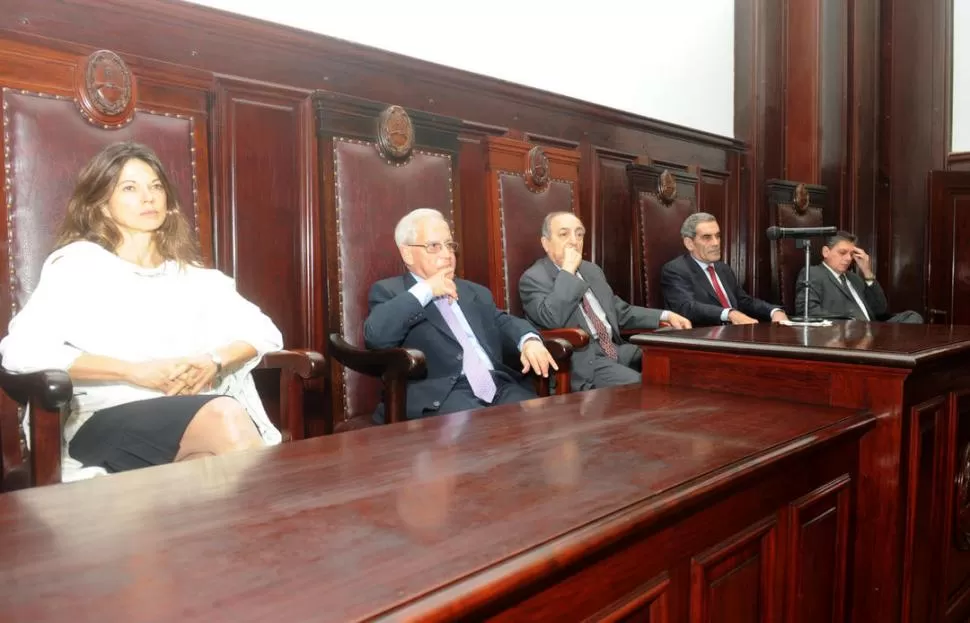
89,300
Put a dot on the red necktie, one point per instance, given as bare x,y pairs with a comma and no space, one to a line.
601,333
717,287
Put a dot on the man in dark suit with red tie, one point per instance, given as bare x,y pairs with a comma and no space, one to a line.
454,322
705,290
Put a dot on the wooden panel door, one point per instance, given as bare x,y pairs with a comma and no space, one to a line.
947,254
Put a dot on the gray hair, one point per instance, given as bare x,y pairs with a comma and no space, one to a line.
406,230
547,222
689,228
838,237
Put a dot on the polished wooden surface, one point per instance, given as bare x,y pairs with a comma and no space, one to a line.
877,343
458,510
913,554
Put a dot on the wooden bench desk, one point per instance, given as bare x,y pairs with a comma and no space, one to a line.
665,504
913,554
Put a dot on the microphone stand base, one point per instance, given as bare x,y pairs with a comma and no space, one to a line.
801,321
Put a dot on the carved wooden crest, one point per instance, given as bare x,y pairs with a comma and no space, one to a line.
395,133
667,187
961,505
538,168
801,198
105,89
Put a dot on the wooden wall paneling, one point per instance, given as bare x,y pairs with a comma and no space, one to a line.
234,45
818,561
860,213
605,209
955,537
947,254
816,93
834,75
759,104
473,172
929,459
266,203
264,192
517,205
913,112
738,576
802,78
714,197
958,161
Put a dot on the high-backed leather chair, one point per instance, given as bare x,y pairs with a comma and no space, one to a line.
47,138
662,199
525,182
792,204
378,163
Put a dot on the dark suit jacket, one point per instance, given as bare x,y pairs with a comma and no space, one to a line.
827,296
688,292
396,319
551,299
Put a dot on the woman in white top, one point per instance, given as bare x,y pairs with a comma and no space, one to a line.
159,348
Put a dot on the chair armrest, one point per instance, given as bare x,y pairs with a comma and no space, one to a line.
577,338
407,363
562,353
560,349
50,389
46,392
392,365
307,364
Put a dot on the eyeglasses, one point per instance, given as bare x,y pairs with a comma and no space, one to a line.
436,247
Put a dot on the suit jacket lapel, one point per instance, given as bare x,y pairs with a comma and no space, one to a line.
701,278
431,312
838,285
472,313
857,284
602,295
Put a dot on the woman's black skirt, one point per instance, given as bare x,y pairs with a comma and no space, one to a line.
136,434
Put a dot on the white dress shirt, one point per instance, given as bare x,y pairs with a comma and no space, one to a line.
594,304
89,300
855,295
422,291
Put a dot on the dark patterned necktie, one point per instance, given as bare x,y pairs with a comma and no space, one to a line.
601,333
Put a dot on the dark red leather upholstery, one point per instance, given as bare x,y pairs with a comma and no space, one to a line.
656,235
46,144
371,196
786,259
521,211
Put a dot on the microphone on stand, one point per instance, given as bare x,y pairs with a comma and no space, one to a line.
777,233
802,235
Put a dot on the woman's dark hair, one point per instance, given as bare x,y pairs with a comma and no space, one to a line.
87,219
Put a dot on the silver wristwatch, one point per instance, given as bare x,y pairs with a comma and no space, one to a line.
216,359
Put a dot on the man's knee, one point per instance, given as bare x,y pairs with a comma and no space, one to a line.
616,374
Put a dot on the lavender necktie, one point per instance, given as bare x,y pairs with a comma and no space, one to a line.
477,373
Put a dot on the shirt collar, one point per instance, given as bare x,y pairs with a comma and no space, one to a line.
833,271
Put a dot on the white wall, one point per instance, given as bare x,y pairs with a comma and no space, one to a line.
632,55
960,138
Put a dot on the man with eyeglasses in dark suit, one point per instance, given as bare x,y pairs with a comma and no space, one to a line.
454,322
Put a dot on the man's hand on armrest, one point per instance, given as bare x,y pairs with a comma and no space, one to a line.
536,357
